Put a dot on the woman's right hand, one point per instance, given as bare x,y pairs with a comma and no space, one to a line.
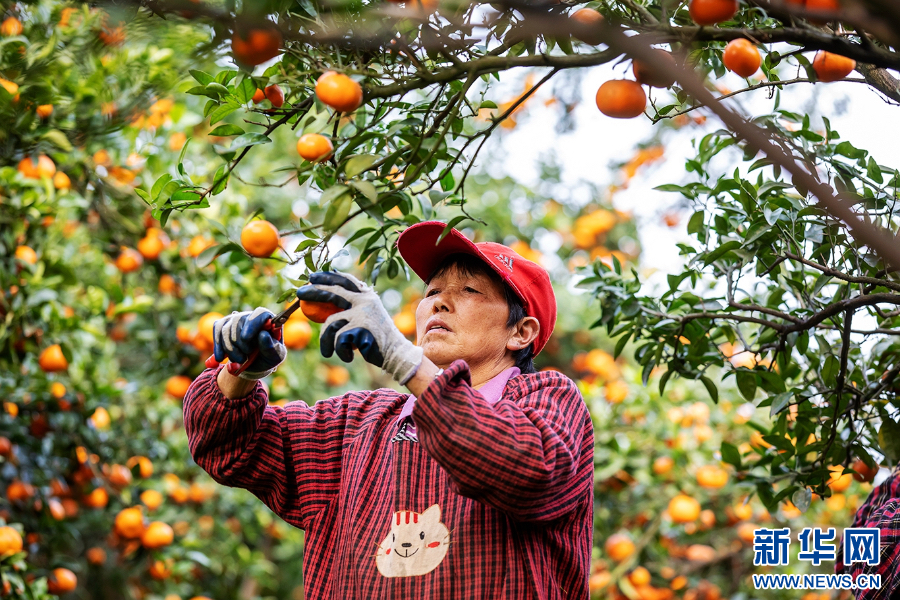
240,333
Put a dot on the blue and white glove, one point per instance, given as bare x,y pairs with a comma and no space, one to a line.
240,333
363,324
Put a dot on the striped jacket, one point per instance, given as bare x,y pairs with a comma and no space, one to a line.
485,502
881,510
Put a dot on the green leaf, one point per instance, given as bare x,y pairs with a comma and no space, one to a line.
227,129
144,195
721,251
487,104
337,212
249,139
830,370
711,388
220,180
620,345
211,253
222,111
201,77
245,90
333,193
695,224
367,189
359,163
779,403
889,439
746,382
159,185
731,455
58,139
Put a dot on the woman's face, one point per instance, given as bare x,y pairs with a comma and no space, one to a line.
463,317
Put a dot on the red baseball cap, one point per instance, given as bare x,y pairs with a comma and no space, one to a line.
419,248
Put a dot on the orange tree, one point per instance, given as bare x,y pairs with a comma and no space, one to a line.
370,117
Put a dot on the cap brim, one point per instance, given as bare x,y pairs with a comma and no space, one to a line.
419,247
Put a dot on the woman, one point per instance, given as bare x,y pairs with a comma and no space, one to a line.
478,485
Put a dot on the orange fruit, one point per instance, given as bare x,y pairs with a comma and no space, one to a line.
167,284
616,391
712,476
661,76
112,36
258,96
43,167
178,385
314,147
10,541
745,532
145,467
639,576
52,359
700,553
56,509
184,334
179,494
258,46
151,499
339,91
100,419
119,475
336,375
57,390
61,581
259,238
5,446
61,181
405,321
710,12
198,244
296,334
742,512
71,507
683,509
275,95
96,555
19,491
150,247
837,482
129,260
598,582
663,464
205,326
26,254
129,523
619,546
823,5
101,157
742,57
157,535
176,141
159,570
317,312
11,87
589,20
11,26
863,472
44,110
832,67
621,99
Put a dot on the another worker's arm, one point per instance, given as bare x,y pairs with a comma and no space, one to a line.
881,510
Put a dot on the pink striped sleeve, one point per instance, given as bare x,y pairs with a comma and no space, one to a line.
520,455
290,457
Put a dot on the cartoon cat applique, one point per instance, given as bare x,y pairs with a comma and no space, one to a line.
416,544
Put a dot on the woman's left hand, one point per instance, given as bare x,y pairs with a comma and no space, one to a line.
365,325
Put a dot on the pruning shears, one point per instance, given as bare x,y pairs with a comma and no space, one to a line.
273,324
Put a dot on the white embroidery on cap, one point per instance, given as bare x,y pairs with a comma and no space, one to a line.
506,260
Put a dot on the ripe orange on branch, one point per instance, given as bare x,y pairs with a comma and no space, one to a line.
258,96
129,260
43,167
61,581
44,110
257,46
11,26
710,12
178,385
621,99
683,509
318,312
205,326
259,238
832,67
659,74
589,19
52,359
275,96
129,523
10,541
339,91
296,334
712,476
157,535
619,546
314,147
26,254
742,57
